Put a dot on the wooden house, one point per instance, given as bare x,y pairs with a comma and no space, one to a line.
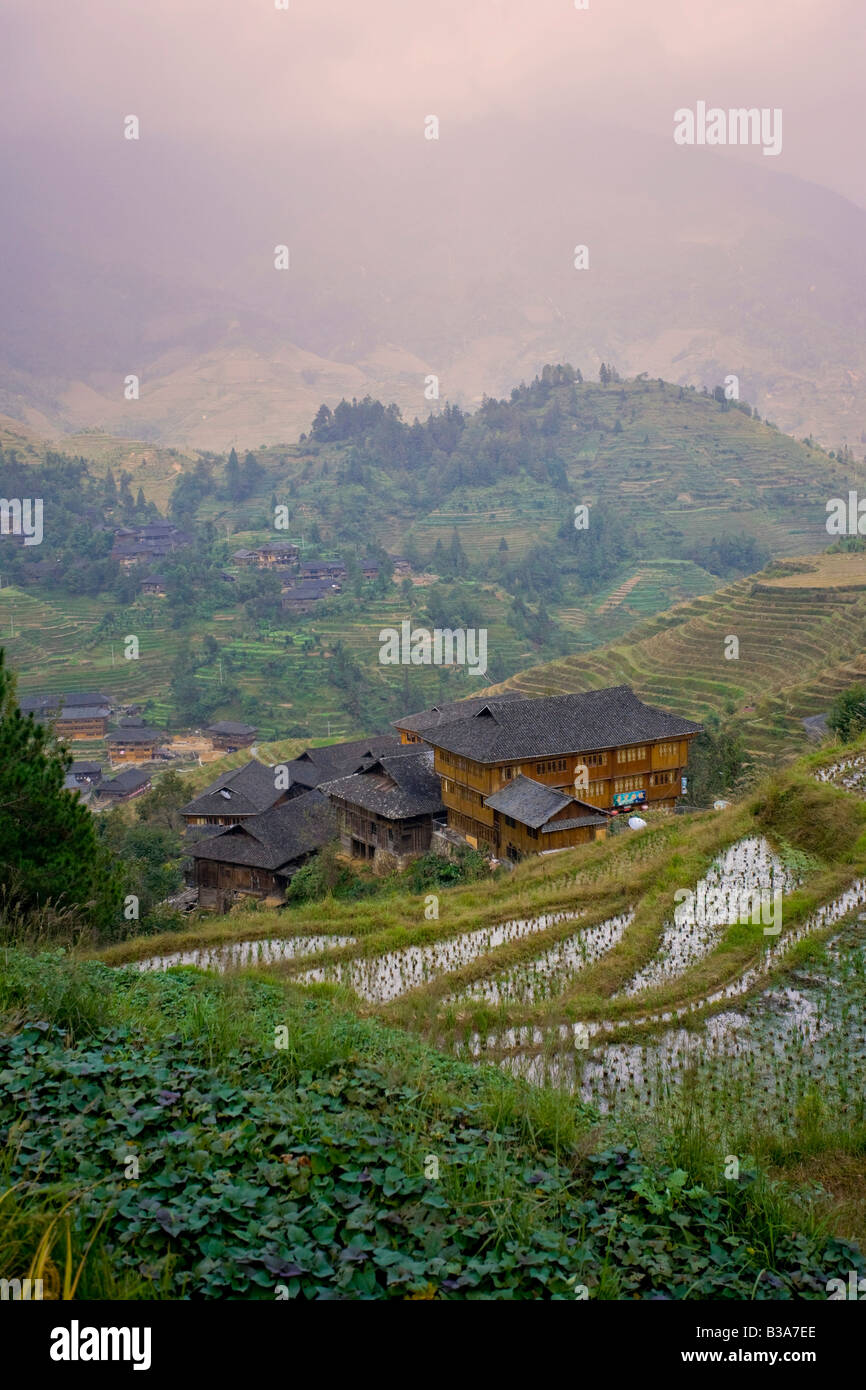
303,596
135,743
235,796
333,760
230,735
132,782
82,721
605,747
277,554
386,813
86,773
154,584
259,856
322,569
134,545
531,818
75,715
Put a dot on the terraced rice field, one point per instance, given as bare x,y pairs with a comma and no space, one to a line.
54,647
379,979
799,645
637,964
237,954
549,974
798,1043
738,883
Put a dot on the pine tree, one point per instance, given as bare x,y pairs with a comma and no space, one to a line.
49,850
233,477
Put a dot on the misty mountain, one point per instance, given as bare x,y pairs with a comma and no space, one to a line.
412,258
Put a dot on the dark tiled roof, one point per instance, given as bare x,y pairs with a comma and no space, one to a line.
558,724
77,699
128,781
229,726
529,802
311,589
83,712
249,790
447,713
397,786
85,769
316,569
532,803
316,765
276,837
573,823
134,735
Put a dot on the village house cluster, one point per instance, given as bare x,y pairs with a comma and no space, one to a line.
504,774
143,547
129,742
304,584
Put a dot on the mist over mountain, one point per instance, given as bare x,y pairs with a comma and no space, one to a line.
412,257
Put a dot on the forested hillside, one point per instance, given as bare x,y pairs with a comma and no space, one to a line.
556,520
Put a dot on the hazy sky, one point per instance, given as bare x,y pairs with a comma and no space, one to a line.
212,73
306,127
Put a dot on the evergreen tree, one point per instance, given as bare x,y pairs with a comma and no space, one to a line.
49,850
457,560
233,478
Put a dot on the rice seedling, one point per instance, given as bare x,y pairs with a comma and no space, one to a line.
379,979
237,954
746,868
547,975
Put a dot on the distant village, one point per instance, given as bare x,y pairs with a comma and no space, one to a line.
304,584
505,774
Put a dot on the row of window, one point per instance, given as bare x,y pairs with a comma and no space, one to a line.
661,779
631,755
465,793
552,765
452,760
628,784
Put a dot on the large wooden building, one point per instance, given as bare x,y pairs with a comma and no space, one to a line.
259,856
604,747
231,735
135,743
386,813
74,715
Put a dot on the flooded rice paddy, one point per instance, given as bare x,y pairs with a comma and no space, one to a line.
379,979
236,954
747,870
549,974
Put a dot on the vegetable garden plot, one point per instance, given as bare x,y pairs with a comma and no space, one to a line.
379,979
235,954
549,974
